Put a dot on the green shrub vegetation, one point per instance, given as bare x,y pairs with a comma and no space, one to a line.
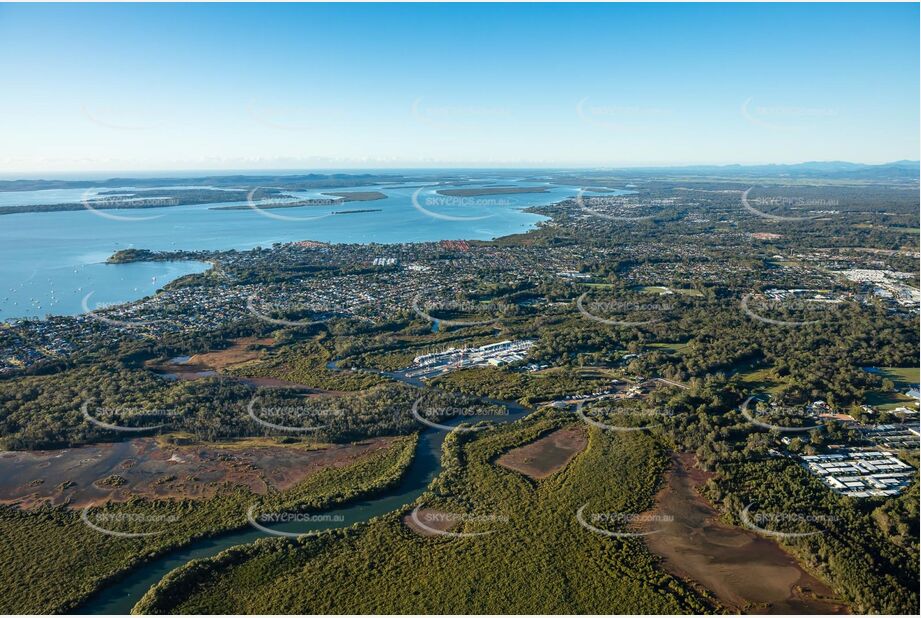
537,560
529,388
53,561
867,549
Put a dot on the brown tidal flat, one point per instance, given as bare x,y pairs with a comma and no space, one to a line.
546,455
208,364
746,572
241,351
151,468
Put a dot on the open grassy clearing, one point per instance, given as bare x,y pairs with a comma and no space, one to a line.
903,378
674,348
663,290
756,378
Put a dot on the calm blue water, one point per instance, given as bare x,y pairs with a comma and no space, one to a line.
37,283
50,261
67,196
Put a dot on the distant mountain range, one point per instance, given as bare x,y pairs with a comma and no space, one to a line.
896,170
899,171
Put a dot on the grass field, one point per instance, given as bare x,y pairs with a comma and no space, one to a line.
758,379
674,348
903,378
658,289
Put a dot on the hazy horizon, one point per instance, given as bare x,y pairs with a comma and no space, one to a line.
314,169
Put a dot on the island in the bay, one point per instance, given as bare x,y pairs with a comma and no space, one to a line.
684,391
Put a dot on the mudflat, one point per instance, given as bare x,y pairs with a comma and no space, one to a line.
548,454
241,351
150,468
209,364
746,572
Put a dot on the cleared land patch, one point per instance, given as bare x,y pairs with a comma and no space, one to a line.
673,347
242,351
756,377
206,364
662,290
546,455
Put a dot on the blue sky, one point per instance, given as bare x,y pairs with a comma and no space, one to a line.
167,87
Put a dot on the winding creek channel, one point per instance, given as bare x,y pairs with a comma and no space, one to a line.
121,595
747,572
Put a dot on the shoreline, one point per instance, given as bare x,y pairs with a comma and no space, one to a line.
211,267
211,256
